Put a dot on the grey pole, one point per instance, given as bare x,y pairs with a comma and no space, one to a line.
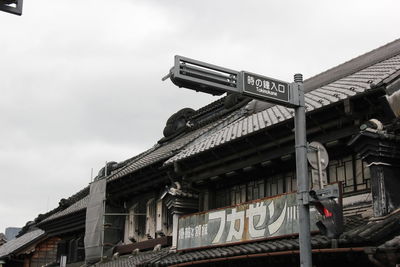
302,176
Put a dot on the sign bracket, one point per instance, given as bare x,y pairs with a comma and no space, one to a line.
215,80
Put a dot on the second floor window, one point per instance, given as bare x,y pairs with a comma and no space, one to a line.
351,171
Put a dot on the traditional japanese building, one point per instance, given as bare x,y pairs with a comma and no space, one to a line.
225,163
218,188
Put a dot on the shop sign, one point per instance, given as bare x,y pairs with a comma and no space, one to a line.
264,218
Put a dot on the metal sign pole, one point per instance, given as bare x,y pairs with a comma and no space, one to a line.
212,79
302,176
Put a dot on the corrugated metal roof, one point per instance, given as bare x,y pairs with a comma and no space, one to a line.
77,206
347,87
20,242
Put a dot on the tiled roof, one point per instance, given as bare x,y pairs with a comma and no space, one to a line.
242,249
20,242
393,243
134,260
354,65
162,152
64,204
361,233
144,159
364,234
347,87
77,206
207,108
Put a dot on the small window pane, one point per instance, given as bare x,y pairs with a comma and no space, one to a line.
280,185
261,187
332,173
349,173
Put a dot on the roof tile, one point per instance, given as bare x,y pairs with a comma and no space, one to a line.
343,88
364,233
19,242
77,206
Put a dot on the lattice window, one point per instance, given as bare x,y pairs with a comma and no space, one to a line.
255,189
352,172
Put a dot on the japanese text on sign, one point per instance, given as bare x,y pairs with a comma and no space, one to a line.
265,88
264,218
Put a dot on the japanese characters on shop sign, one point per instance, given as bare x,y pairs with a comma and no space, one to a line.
261,219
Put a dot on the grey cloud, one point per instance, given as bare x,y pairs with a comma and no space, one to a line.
81,80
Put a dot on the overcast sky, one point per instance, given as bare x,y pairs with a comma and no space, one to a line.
80,81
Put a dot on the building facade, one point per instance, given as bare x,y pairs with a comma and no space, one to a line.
218,188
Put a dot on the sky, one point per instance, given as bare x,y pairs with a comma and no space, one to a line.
80,81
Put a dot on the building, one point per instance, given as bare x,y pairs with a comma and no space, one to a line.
3,239
12,232
217,189
20,251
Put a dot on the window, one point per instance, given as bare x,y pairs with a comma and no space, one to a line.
151,219
163,220
135,223
350,170
132,223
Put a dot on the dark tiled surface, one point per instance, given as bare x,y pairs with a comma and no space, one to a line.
68,204
364,233
361,232
347,87
148,257
393,243
157,153
243,249
163,152
20,242
75,207
374,232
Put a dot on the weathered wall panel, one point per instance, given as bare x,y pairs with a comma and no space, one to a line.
268,217
45,252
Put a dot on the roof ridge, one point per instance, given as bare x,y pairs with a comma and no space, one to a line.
132,160
331,93
210,106
353,65
73,208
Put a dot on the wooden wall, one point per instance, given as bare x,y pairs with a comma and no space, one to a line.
45,252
